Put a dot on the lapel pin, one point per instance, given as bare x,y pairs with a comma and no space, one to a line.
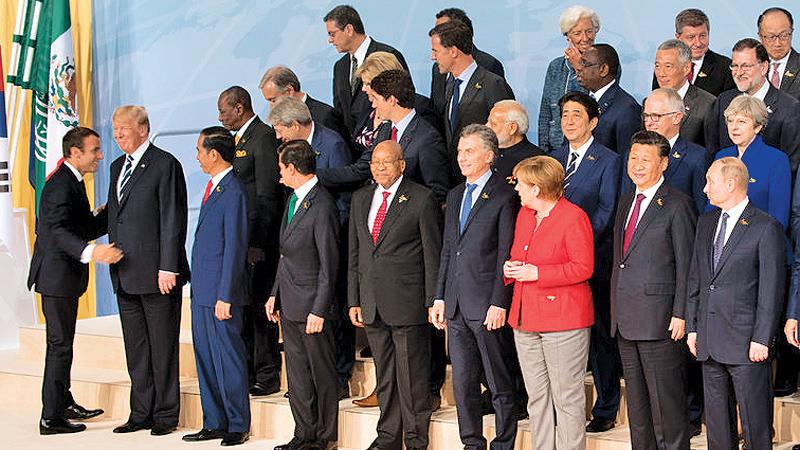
142,166
702,74
241,153
511,180
485,196
676,155
788,74
305,204
590,157
752,180
402,198
744,222
219,189
478,86
660,201
769,109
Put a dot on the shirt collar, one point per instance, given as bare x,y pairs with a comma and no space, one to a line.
361,51
684,89
305,97
392,189
466,74
74,170
599,94
582,149
651,191
403,123
218,177
699,62
240,131
482,180
736,212
303,190
781,61
673,140
139,152
762,92
311,134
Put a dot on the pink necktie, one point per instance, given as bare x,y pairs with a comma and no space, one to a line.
631,227
776,79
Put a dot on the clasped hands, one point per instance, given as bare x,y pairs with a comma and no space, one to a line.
107,254
520,271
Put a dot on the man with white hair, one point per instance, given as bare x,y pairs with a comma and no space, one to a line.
509,121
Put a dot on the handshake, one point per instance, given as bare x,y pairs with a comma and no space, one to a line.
106,254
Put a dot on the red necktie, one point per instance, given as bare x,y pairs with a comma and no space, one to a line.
394,134
208,191
776,79
690,75
376,226
631,227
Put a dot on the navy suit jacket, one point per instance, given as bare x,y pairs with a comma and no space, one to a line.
471,265
219,254
620,118
593,186
332,152
741,301
426,158
782,130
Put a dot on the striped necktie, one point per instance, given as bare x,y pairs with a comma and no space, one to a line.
127,170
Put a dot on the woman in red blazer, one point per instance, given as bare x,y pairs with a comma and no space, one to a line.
551,261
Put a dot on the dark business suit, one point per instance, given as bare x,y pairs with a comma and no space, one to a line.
620,118
426,158
219,256
593,187
730,306
782,130
306,284
255,163
352,104
714,76
393,281
439,81
326,115
648,289
483,90
63,229
698,104
470,281
789,83
149,225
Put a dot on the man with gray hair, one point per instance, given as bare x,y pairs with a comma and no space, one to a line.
673,67
509,121
281,81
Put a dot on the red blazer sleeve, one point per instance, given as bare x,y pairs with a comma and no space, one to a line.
579,250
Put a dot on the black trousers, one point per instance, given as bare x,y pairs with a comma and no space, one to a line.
60,314
475,353
402,365
438,361
752,385
604,359
344,333
655,388
260,335
311,373
150,329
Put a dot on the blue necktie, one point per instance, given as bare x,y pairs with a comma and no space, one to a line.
454,104
466,207
719,242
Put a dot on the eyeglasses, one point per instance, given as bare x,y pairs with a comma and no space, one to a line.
586,64
577,34
655,117
783,37
386,163
745,67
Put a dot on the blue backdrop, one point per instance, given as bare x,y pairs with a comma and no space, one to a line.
175,57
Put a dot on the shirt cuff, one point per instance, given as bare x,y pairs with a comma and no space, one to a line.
86,254
437,301
168,272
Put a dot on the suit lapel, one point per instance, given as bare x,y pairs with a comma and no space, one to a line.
619,231
408,134
676,157
300,212
584,168
688,100
771,100
473,86
215,194
138,173
652,211
739,230
248,133
608,98
791,72
483,197
394,211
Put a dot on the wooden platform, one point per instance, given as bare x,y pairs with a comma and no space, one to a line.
99,379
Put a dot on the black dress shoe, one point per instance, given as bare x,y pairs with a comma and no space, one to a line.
695,428
486,403
365,352
519,413
295,444
286,394
130,427
162,430
344,392
204,435
598,425
784,391
235,438
796,447
59,426
261,389
78,412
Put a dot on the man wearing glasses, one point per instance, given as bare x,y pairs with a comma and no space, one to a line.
775,27
750,69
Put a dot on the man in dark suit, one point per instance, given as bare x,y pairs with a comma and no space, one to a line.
281,81
672,67
439,80
60,271
395,243
473,91
147,220
592,174
750,67
620,114
653,237
346,34
471,299
735,296
509,121
255,163
304,292
775,28
708,70
220,294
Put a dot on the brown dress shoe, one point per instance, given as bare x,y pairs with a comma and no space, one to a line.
369,401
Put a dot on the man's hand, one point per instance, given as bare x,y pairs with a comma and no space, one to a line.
758,352
691,341
314,324
272,314
790,330
166,281
520,271
222,310
495,318
106,254
355,316
436,315
255,255
677,326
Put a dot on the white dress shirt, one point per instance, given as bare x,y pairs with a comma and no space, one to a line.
464,76
762,92
310,134
361,53
137,156
649,193
733,217
698,63
377,199
480,184
581,151
303,191
683,90
403,124
218,177
240,132
599,94
781,67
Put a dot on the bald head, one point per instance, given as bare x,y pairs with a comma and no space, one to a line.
387,163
